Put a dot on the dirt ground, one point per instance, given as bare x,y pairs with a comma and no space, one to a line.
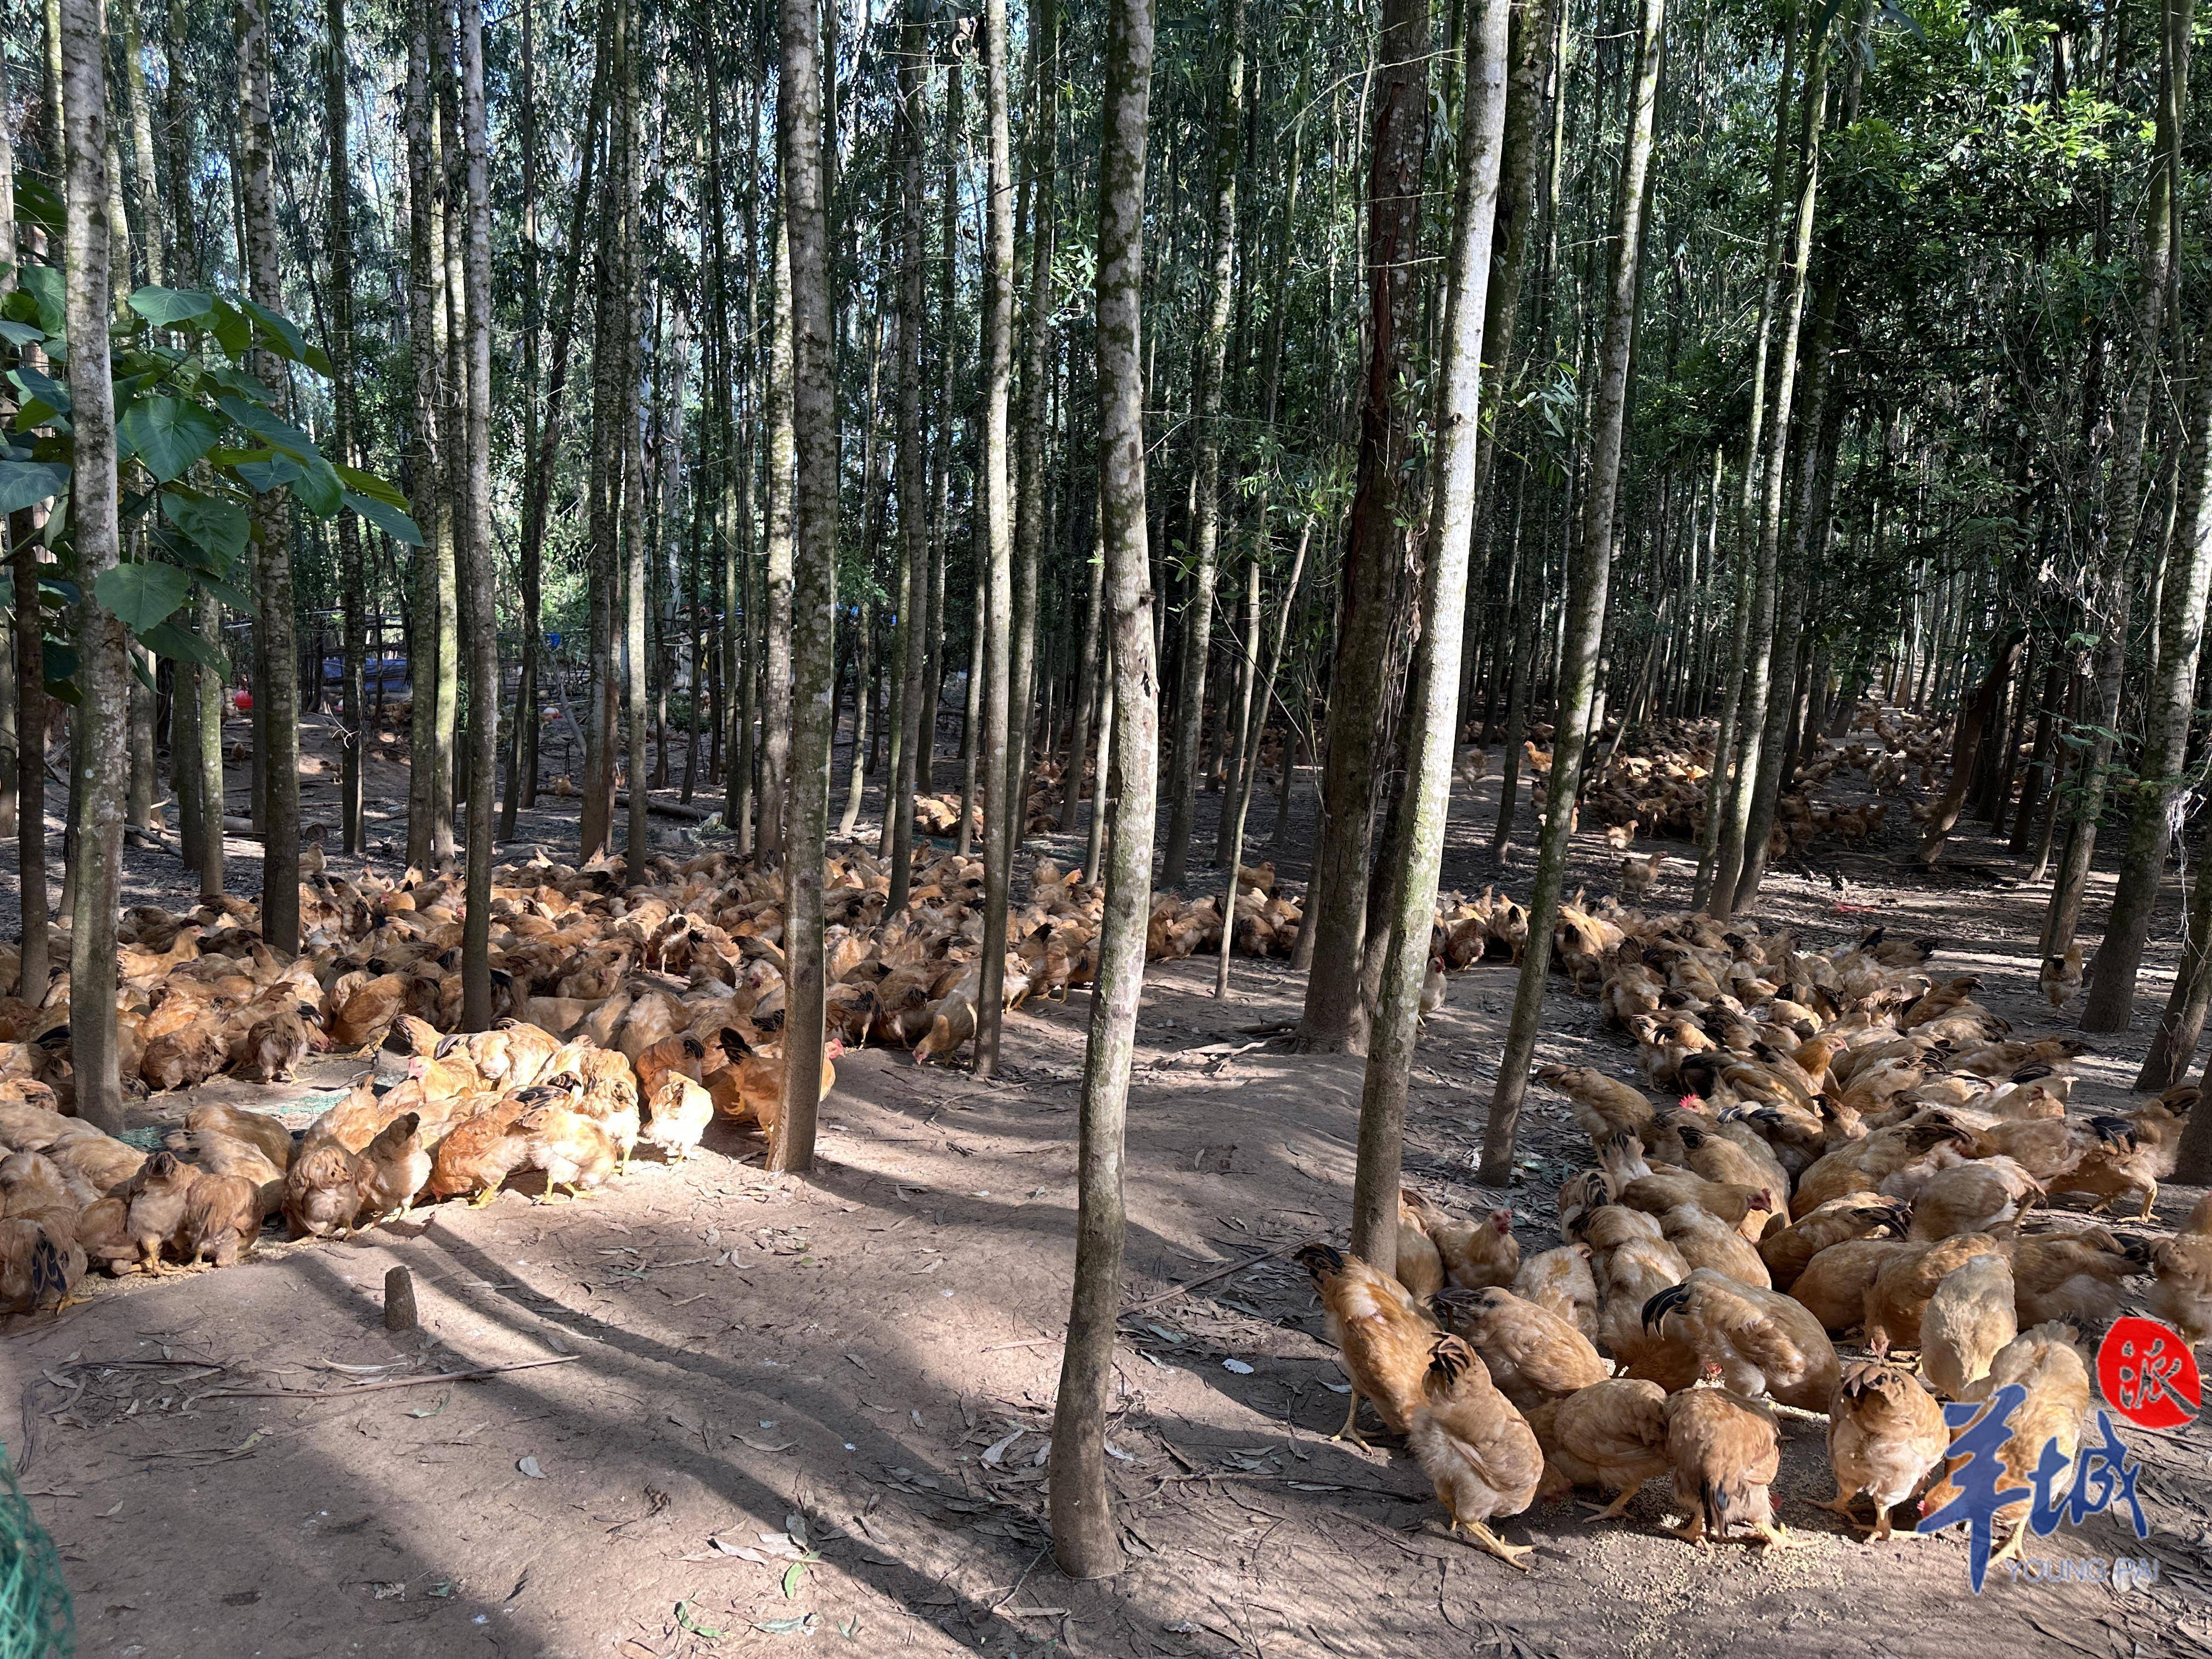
767,1411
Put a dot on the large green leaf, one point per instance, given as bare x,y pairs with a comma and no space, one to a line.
168,434
271,474
144,595
167,640
318,491
368,484
25,484
38,389
385,517
163,306
44,283
234,329
219,526
284,339
19,334
231,594
280,432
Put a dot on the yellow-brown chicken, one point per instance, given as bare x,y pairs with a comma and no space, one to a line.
1966,1322
1977,1197
1533,1353
479,1152
392,1169
2183,1295
1860,1166
1612,1435
41,1260
677,1116
2060,979
1724,1451
1885,1433
1382,1339
255,1128
2133,1153
1789,1250
1604,1107
322,1190
573,1150
1418,1267
1907,1279
1834,1286
1706,1241
1473,1255
1563,1281
1479,1452
1761,1342
2074,1275
221,1220
162,1191
2046,1363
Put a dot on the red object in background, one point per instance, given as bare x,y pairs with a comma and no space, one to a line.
242,700
2147,1374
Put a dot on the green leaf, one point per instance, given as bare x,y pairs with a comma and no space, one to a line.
19,334
145,676
39,388
280,433
144,595
683,1618
319,492
792,1575
164,306
234,330
235,597
368,484
37,200
25,484
44,284
271,474
57,661
168,434
220,527
385,517
284,340
167,640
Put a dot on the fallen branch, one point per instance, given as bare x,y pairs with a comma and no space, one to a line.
666,808
1204,1280
390,1382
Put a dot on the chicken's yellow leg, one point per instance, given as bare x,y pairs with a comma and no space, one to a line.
1616,1509
1485,1539
1350,1429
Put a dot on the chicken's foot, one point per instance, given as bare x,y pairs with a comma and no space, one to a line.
1350,1429
1616,1509
1485,1540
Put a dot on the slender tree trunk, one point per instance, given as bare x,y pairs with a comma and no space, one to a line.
1208,437
1337,897
639,523
864,665
280,858
424,463
346,419
775,703
1587,578
484,647
813,605
2159,780
1256,725
100,758
910,744
1000,810
1031,518
1087,701
1082,1529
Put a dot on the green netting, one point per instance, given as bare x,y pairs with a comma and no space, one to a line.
36,1621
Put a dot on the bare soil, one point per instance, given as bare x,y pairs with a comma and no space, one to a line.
791,1412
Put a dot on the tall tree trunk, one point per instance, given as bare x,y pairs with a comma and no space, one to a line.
1087,711
280,858
483,646
813,605
1082,1529
775,703
1434,696
424,459
1000,811
2160,774
2122,505
101,640
912,646
346,418
1587,578
1256,725
1038,371
1337,897
1207,442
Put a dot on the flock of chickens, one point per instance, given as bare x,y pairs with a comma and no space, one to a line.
1856,1145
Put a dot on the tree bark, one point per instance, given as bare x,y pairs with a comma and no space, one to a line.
1587,578
484,647
280,857
1082,1529
1207,442
1337,897
2160,780
805,300
1000,810
776,687
424,459
345,422
912,646
101,640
